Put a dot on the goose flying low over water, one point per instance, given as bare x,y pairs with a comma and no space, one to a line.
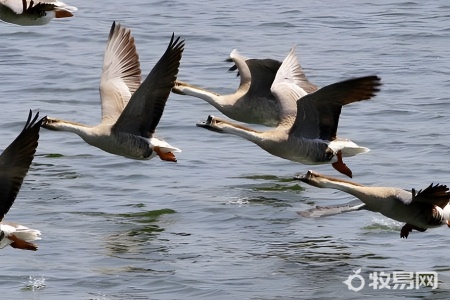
15,162
29,12
130,110
420,210
309,135
253,101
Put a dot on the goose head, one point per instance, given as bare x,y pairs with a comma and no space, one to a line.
212,123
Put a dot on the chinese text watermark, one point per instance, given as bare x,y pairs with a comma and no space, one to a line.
392,281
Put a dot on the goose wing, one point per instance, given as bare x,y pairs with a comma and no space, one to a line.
21,6
318,113
15,162
146,106
290,84
121,74
437,194
263,72
17,6
259,73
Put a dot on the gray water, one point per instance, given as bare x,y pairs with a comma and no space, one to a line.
222,223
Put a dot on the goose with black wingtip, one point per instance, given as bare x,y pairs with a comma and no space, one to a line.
427,208
253,101
307,133
130,110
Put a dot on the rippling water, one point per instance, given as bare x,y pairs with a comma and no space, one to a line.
222,223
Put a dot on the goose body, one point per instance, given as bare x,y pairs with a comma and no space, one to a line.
427,208
15,162
307,132
253,101
130,110
29,12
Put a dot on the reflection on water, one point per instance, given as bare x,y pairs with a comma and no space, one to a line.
222,223
141,229
271,183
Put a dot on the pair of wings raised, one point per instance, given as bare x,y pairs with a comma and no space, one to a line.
131,106
317,113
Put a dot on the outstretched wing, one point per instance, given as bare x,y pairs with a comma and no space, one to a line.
16,6
121,74
259,73
15,162
318,113
146,106
290,84
437,194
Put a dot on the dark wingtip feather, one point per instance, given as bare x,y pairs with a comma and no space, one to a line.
433,190
16,160
111,31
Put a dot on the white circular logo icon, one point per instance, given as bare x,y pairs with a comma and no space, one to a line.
350,278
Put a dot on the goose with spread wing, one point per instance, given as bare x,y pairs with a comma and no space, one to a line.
30,12
427,208
307,135
130,110
252,102
15,162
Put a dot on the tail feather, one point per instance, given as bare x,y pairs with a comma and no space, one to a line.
27,234
169,149
352,151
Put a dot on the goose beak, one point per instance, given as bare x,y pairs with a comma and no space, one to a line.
304,177
209,124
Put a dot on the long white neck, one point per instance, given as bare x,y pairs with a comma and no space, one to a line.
366,194
245,132
210,97
220,102
61,125
342,185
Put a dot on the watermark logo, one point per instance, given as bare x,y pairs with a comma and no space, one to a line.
392,281
349,281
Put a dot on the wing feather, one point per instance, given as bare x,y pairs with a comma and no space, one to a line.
15,162
121,74
146,106
318,113
437,194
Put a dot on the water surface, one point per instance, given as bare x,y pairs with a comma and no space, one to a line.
222,223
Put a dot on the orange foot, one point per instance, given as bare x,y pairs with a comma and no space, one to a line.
21,244
168,156
340,166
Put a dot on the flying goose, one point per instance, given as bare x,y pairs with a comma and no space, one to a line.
29,12
15,162
309,135
130,110
420,210
253,102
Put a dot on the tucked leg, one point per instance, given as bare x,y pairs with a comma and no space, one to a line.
168,156
407,228
21,244
340,166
